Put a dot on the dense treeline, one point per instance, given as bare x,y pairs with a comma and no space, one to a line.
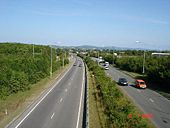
133,64
157,68
117,107
20,68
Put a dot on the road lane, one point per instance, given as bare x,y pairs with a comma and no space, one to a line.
148,100
60,108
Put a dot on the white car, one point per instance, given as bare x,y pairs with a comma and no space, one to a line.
106,68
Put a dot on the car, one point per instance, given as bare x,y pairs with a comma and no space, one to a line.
122,81
74,64
140,84
80,65
106,68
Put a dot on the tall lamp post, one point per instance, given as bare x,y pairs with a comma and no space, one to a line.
63,57
143,65
143,71
51,68
113,58
98,56
33,50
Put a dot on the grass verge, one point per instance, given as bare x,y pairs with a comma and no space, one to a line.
97,118
15,104
120,112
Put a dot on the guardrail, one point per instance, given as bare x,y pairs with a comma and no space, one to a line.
86,102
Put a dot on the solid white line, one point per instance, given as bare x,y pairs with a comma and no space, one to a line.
52,115
77,125
151,100
42,99
61,99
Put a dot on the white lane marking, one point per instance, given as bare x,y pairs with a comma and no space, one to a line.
52,115
66,90
151,100
69,83
138,90
61,99
42,99
77,125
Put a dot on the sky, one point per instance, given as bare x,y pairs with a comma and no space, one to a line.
122,23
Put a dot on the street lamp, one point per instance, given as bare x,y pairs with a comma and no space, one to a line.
98,57
143,71
33,50
113,58
63,57
143,66
51,69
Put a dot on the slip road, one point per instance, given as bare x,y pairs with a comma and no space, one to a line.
149,101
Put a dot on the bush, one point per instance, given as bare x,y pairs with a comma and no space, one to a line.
157,69
117,107
19,69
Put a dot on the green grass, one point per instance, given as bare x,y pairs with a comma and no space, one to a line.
137,110
15,104
115,106
97,117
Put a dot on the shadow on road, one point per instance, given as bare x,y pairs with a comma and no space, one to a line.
132,85
163,89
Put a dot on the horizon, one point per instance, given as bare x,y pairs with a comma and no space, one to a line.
130,23
98,47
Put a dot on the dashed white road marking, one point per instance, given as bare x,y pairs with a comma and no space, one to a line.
80,103
61,99
69,83
151,100
41,99
52,115
66,90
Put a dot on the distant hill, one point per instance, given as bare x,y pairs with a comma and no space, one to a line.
97,48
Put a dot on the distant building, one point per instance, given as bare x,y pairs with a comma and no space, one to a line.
100,59
115,54
160,54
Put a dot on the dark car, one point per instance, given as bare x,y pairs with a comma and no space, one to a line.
122,81
80,65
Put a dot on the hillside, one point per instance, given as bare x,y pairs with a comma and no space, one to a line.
20,68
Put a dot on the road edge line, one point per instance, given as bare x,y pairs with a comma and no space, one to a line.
80,103
18,124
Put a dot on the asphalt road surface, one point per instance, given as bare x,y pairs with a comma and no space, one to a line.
59,107
150,102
